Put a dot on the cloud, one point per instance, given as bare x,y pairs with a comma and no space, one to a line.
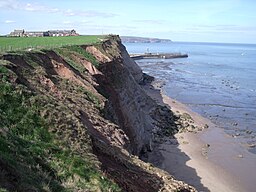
236,28
67,22
220,28
9,4
150,21
36,7
33,7
205,29
89,13
9,21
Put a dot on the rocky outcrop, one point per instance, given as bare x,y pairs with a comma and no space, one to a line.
94,108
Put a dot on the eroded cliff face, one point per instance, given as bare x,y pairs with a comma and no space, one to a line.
136,112
98,117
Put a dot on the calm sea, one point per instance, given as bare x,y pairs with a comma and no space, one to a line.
217,80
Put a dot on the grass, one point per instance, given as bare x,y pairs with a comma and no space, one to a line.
22,43
33,154
89,57
68,51
90,97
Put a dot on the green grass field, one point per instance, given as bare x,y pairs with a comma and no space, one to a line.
22,43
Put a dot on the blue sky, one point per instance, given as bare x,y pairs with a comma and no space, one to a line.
178,20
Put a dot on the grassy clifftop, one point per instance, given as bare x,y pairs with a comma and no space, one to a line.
22,43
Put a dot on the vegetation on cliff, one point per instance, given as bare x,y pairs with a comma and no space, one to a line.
74,118
33,156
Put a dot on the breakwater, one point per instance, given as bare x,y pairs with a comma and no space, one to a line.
158,56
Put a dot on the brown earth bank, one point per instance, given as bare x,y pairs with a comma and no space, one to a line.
77,118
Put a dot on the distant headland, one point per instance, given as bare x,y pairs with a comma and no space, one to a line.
131,39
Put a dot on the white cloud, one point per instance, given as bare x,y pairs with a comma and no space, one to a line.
9,4
9,21
30,7
69,12
66,22
17,5
88,13
36,7
220,29
150,21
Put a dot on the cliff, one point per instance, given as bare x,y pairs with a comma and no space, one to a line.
77,118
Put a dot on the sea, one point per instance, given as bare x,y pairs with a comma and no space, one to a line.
217,80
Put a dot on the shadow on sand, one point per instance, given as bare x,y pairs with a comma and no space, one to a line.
169,157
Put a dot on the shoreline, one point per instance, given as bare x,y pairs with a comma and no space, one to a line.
208,160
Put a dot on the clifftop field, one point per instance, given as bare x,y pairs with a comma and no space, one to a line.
21,43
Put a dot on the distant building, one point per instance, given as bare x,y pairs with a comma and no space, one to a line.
52,33
57,33
34,34
17,33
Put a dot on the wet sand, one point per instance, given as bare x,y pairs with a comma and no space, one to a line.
210,160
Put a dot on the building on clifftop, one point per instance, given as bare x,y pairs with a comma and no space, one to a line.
17,33
51,33
57,33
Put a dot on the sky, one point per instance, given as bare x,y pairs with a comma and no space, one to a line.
227,21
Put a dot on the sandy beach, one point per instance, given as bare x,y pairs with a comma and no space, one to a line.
209,160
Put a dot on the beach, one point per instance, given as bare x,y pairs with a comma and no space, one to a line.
209,160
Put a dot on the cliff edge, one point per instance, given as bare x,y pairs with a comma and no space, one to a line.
77,118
